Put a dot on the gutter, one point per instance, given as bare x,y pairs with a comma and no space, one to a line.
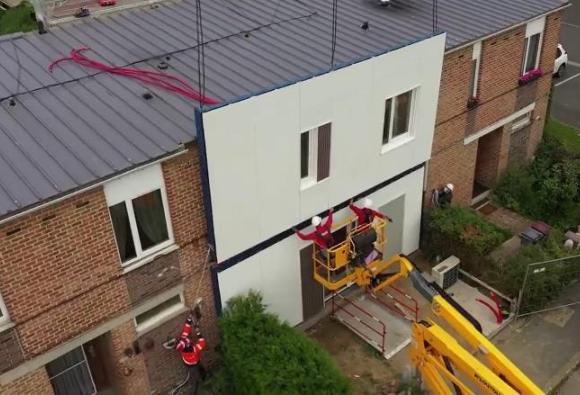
469,43
97,184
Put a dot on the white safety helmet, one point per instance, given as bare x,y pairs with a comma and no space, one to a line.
450,187
316,220
367,203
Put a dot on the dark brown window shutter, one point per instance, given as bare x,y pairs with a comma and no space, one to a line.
323,152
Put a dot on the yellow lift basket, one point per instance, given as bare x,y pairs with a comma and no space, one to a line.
341,265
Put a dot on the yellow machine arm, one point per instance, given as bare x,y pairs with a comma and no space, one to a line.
433,349
435,352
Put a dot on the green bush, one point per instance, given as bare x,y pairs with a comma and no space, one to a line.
18,19
460,231
541,288
548,189
263,356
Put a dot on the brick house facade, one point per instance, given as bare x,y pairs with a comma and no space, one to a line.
462,154
60,265
61,269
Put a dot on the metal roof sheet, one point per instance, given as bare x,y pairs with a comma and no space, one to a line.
75,126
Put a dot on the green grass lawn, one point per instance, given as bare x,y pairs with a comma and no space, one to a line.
567,135
17,19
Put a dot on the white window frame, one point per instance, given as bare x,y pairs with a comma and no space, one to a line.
476,55
83,362
129,187
5,322
312,176
161,317
522,121
409,134
532,28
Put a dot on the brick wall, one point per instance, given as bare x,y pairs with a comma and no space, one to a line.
130,368
35,383
189,229
500,96
60,270
156,369
61,275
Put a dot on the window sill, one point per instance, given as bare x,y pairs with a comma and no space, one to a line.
396,143
7,325
136,264
307,184
162,318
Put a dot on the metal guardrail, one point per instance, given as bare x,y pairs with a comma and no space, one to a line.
412,306
382,331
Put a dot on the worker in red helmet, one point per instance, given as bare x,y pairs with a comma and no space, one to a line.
366,214
322,234
191,350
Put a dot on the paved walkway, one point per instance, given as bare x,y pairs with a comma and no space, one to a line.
546,346
509,220
571,386
506,219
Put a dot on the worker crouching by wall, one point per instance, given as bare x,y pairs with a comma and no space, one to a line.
442,197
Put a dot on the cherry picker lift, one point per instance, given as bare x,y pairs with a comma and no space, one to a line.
436,354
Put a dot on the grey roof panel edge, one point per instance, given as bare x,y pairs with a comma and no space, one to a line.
507,28
26,210
314,75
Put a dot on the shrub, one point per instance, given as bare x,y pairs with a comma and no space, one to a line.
263,356
18,19
549,189
462,232
540,289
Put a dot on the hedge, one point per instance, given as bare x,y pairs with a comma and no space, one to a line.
460,231
18,19
543,287
548,189
262,356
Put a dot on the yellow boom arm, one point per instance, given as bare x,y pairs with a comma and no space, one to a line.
432,345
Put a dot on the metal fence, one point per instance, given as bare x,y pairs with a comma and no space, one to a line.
550,285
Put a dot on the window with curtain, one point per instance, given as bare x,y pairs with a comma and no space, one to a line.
531,52
70,374
140,225
397,120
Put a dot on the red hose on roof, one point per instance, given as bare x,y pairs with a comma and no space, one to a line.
160,80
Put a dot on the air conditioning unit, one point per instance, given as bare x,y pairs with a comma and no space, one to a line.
446,273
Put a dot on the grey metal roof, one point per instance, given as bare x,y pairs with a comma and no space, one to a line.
74,127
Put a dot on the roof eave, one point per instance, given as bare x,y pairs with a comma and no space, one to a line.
471,42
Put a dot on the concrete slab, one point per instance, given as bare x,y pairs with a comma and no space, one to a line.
467,297
393,311
559,317
571,386
545,350
387,332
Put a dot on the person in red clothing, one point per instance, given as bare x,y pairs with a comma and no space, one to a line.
366,214
191,350
322,234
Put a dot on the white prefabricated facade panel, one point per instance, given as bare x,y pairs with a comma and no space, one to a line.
253,146
275,271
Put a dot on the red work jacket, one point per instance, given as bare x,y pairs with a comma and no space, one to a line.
190,350
365,215
322,233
